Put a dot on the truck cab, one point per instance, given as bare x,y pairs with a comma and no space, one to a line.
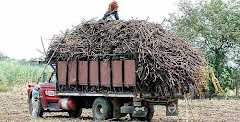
48,101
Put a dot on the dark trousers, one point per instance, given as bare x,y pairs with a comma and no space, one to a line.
108,13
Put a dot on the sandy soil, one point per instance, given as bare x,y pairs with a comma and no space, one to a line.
14,107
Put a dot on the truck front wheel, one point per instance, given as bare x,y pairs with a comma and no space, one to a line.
101,109
35,107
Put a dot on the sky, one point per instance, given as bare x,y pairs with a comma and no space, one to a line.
23,22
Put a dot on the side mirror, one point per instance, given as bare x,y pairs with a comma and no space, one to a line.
43,77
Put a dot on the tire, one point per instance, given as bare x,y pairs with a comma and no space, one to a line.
101,109
150,113
76,113
30,109
40,108
39,105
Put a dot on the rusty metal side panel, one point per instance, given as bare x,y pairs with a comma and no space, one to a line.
105,73
83,71
72,71
117,73
62,72
129,73
93,73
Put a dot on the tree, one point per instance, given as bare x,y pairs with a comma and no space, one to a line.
3,57
213,26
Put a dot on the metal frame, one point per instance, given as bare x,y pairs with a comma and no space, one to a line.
77,78
99,74
99,58
111,76
67,73
88,75
131,95
123,75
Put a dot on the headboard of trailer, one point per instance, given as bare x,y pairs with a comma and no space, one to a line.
96,75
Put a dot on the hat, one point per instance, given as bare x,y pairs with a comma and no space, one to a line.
115,2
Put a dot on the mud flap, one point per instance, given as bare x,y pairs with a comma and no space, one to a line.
140,111
172,108
117,109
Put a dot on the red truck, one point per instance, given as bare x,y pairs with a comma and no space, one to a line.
108,87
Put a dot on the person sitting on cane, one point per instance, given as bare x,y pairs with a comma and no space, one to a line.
112,9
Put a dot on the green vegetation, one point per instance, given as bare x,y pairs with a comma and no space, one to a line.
5,88
13,72
214,27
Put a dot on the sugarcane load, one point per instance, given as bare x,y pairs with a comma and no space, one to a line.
165,64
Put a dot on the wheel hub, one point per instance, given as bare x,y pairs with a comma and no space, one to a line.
99,110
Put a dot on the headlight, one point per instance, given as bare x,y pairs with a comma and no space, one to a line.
50,93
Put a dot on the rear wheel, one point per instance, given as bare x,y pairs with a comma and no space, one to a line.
150,113
101,109
76,113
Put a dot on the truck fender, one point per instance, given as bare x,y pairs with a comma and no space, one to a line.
42,98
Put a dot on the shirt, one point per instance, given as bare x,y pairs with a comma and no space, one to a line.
112,7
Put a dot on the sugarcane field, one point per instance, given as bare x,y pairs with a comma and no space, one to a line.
117,60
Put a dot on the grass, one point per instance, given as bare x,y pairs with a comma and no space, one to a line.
231,93
5,88
14,72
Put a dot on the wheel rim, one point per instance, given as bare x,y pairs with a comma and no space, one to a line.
99,110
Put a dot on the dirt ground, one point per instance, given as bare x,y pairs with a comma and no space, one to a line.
14,107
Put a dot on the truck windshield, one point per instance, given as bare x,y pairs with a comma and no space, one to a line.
53,79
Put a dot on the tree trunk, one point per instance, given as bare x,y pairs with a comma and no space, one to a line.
237,86
217,62
218,71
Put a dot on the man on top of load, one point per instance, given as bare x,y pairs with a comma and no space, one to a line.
112,9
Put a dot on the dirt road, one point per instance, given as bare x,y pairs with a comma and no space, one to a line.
14,107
